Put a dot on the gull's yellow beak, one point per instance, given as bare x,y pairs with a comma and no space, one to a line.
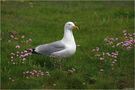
76,27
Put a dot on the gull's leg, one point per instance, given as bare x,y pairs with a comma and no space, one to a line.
54,64
61,63
57,63
60,67
54,61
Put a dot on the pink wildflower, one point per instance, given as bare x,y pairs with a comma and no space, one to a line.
101,70
22,36
97,49
24,59
124,31
25,51
12,57
12,36
101,58
12,54
30,40
17,46
54,84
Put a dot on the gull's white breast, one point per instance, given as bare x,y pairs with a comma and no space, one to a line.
67,52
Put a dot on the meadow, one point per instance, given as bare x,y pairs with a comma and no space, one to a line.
103,25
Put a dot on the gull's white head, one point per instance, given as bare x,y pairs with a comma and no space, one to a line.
70,26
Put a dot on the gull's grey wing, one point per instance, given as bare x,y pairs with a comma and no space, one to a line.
50,48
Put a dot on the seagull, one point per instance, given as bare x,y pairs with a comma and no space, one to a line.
63,48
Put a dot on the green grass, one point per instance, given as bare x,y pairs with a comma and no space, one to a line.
44,23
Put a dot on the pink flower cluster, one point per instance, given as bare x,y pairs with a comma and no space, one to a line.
17,46
20,57
29,40
128,44
111,41
35,73
127,41
20,40
11,79
112,54
15,36
13,58
102,55
105,56
96,49
71,71
26,53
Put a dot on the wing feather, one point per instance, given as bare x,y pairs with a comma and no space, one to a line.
50,48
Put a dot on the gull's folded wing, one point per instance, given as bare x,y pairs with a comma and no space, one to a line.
50,48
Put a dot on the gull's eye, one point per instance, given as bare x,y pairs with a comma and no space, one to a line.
69,24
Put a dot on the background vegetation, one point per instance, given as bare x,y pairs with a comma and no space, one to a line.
42,22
